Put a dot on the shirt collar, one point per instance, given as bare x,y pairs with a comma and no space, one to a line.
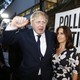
35,34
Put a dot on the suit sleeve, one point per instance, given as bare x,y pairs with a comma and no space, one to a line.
9,37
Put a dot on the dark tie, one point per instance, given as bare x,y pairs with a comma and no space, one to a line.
38,43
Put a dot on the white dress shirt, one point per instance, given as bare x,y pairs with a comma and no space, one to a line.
43,45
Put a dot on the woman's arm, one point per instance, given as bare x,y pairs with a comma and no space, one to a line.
75,76
75,65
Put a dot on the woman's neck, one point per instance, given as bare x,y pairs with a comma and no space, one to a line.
60,49
62,45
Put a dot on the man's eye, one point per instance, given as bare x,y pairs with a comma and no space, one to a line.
38,22
43,22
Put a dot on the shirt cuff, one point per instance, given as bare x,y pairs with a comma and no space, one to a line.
9,27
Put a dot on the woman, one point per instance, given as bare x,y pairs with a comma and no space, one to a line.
65,61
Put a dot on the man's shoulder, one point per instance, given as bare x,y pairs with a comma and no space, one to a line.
50,33
25,31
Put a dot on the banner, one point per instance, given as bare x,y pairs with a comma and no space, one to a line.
70,18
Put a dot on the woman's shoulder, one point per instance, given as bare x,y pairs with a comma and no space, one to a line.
73,49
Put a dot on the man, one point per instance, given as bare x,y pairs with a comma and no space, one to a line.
35,63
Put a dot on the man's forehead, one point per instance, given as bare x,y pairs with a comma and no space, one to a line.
39,18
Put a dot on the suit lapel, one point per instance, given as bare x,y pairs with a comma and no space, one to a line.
33,47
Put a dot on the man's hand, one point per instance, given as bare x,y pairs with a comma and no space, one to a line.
19,22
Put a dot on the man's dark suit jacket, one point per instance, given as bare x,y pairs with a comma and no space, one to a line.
30,63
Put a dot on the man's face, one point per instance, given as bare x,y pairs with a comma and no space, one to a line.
39,24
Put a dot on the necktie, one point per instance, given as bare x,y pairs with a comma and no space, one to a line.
40,55
38,43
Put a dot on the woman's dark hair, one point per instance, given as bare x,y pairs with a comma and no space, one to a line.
68,34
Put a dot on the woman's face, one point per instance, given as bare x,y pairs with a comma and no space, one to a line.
61,36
